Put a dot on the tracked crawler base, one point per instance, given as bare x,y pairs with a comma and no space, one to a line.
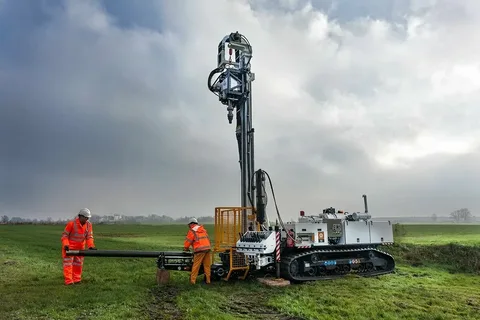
324,264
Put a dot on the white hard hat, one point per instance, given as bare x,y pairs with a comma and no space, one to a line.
85,212
193,220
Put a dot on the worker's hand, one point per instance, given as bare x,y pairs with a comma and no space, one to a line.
92,248
66,248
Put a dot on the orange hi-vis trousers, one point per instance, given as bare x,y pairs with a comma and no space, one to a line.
75,236
201,258
72,267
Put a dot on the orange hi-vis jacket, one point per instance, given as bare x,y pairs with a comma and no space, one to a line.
75,235
197,237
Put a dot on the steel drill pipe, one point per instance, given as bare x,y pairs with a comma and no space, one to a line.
129,253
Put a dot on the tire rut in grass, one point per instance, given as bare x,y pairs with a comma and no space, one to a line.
163,305
253,306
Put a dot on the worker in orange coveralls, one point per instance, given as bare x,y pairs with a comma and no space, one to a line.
76,233
197,237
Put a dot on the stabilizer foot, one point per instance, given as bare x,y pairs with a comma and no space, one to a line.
163,276
274,282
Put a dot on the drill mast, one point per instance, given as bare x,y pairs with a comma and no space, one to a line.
234,89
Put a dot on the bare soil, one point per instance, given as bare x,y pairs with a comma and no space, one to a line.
253,306
163,305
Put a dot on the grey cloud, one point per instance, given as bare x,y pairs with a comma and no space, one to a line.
354,81
124,166
83,125
130,14
116,117
340,10
435,184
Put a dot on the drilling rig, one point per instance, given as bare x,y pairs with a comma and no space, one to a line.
318,246
323,245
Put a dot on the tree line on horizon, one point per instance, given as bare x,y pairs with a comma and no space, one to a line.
108,219
460,215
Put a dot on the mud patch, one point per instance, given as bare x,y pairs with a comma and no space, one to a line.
163,304
254,307
474,303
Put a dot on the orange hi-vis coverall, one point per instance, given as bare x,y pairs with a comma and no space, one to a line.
75,236
197,237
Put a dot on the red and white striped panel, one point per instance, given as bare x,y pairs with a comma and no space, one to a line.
278,247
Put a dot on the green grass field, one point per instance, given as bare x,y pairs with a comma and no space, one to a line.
437,277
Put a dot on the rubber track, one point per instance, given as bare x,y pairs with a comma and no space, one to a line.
287,260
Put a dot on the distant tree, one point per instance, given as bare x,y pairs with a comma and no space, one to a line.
461,215
4,219
434,217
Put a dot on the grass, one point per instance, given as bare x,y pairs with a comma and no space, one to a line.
437,277
455,248
438,234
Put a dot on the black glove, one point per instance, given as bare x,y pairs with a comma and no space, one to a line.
92,248
66,248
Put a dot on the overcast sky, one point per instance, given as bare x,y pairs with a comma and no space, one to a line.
104,104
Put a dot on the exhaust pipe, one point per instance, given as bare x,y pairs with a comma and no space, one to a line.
365,203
